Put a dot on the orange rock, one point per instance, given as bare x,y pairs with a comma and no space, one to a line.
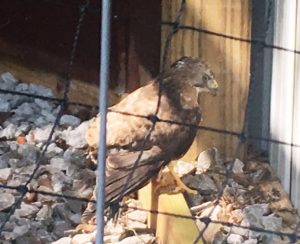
21,139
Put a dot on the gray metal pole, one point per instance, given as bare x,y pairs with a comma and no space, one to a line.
104,77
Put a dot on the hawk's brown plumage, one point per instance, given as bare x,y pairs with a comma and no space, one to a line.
126,135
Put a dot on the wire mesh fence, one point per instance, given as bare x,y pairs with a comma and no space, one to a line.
243,135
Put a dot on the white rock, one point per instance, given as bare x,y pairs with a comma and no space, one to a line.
3,161
21,230
59,163
29,152
40,122
44,213
212,228
75,218
271,222
250,241
26,210
6,200
254,234
238,166
60,226
254,213
45,198
141,239
239,231
24,127
182,168
75,157
5,174
69,120
25,110
112,228
54,150
48,115
201,207
7,97
7,81
40,90
14,119
13,146
135,225
207,159
84,238
64,240
76,137
201,182
42,234
60,181
9,235
138,215
9,131
22,87
46,105
30,137
5,106
8,78
235,239
42,134
219,238
16,163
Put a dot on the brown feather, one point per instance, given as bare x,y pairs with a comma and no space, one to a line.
126,135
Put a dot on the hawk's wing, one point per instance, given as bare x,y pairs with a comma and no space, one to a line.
129,142
124,130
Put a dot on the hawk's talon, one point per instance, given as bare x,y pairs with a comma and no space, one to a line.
180,183
170,182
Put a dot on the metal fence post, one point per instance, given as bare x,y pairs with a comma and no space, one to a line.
104,77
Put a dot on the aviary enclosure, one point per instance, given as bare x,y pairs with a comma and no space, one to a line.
242,166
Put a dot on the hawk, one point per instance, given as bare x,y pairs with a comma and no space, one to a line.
145,131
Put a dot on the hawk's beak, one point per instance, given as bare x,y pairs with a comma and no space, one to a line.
213,87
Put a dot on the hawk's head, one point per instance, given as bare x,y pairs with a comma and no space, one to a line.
196,73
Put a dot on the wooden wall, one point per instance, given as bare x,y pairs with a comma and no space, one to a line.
229,59
36,39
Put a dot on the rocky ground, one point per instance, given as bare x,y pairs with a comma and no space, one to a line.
252,196
25,126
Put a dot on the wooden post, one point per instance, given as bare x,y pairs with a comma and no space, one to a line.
229,59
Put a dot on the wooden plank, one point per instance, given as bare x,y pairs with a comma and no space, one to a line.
149,200
163,196
88,92
229,59
174,230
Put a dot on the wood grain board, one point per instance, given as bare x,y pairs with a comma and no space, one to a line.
229,59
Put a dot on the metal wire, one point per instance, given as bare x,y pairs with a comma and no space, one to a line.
199,127
153,211
175,27
243,135
234,38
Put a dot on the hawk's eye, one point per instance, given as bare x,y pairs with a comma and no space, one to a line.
205,78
